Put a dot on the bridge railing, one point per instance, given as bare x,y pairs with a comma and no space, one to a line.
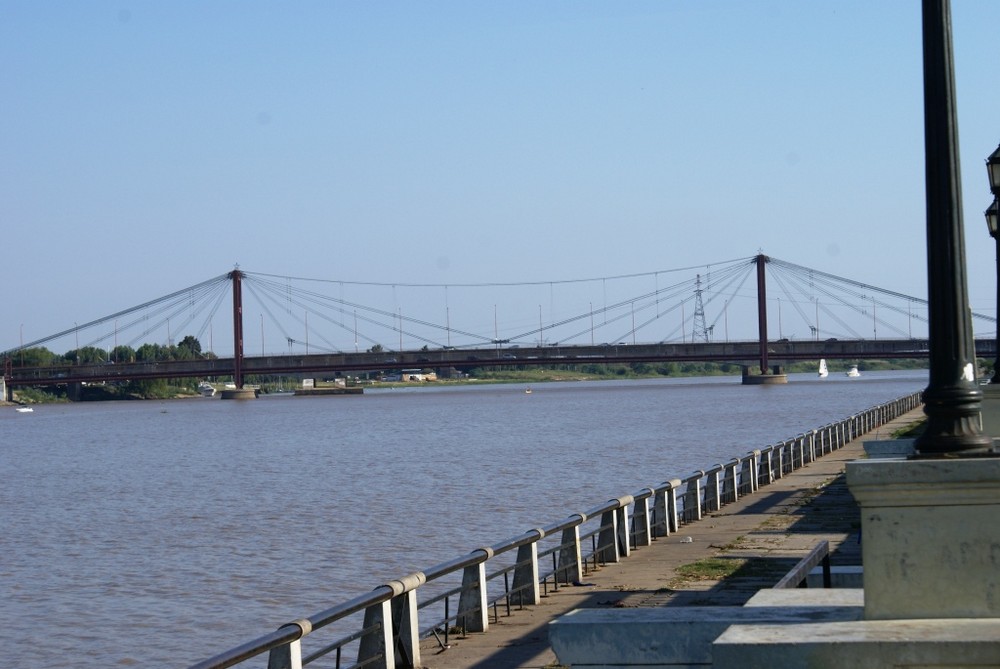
385,627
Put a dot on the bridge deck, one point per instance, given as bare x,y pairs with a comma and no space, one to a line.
729,352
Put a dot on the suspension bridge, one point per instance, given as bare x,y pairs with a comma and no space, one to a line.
315,326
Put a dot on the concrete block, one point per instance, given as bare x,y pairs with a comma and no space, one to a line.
867,644
662,637
840,597
889,448
930,537
990,409
847,576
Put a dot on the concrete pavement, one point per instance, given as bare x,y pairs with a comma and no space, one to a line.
748,545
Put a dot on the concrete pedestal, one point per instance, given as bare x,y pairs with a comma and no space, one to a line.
865,644
239,394
854,597
991,410
889,448
667,637
930,537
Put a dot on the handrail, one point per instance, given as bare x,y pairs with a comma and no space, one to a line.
675,502
796,578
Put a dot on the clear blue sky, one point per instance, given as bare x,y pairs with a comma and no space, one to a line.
146,146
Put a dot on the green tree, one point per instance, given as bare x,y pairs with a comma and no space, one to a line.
189,348
122,354
149,353
91,355
36,356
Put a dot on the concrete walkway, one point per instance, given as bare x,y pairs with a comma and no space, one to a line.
755,541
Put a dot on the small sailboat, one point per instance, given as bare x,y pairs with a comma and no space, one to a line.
853,372
823,372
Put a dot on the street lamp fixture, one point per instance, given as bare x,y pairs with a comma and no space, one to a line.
993,170
991,224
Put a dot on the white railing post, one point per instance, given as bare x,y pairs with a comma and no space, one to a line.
640,520
405,624
624,542
289,656
376,647
473,613
570,562
766,466
749,480
730,482
779,468
713,501
612,540
526,587
692,498
673,514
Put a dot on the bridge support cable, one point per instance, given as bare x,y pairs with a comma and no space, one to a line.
181,312
722,289
685,290
268,292
866,305
795,303
625,309
207,323
322,305
842,290
224,278
845,292
266,309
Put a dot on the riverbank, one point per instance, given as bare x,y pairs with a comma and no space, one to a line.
722,560
513,375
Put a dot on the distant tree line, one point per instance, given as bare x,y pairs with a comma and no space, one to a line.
188,348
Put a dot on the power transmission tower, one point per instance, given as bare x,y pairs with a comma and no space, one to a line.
700,332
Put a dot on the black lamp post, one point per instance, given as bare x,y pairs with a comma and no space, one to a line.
952,400
991,223
993,170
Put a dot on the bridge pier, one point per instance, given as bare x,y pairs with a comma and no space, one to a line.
74,391
776,376
239,393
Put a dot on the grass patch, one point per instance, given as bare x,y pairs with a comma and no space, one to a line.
911,431
709,569
721,569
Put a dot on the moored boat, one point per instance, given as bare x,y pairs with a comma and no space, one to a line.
206,389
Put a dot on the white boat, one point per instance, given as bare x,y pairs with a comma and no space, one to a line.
823,372
23,409
206,389
853,372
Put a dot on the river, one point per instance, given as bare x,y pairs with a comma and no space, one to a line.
162,532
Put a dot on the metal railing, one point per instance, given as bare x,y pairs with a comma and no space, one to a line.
462,597
796,577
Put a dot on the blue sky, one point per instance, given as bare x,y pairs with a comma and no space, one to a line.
146,146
